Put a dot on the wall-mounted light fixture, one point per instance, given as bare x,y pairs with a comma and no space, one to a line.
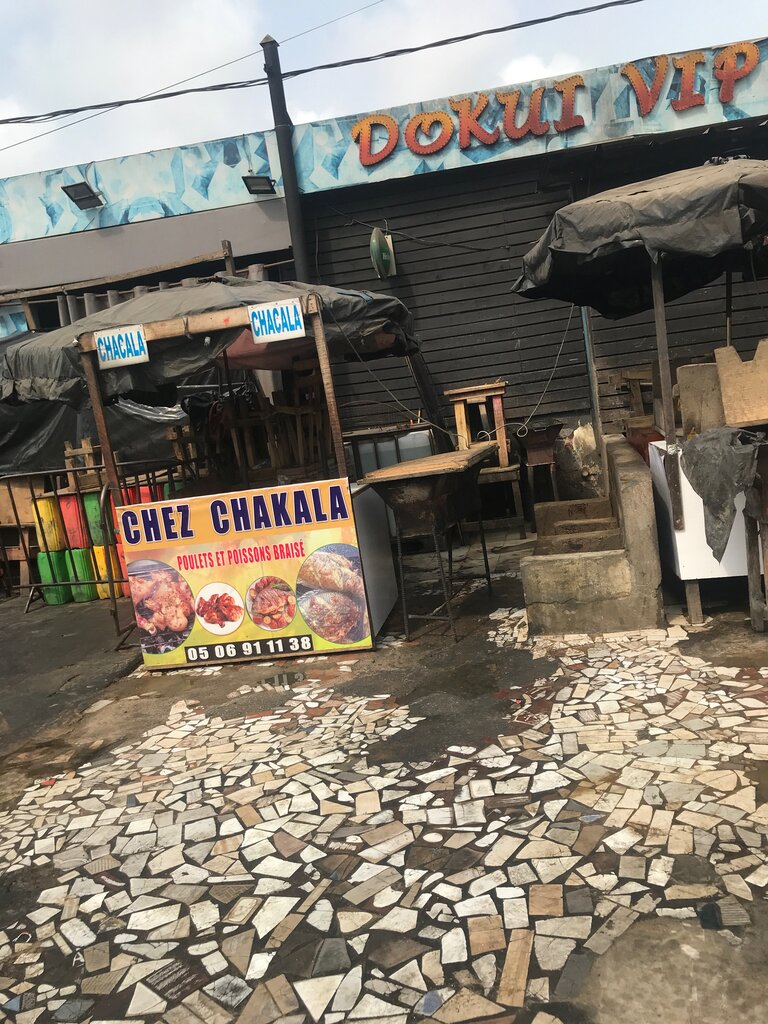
259,184
83,196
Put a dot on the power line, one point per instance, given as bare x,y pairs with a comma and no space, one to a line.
250,83
333,21
162,89
403,51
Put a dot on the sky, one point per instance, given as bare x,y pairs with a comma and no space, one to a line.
59,55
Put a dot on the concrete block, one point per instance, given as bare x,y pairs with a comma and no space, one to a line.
599,590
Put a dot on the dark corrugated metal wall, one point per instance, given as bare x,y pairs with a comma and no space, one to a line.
470,230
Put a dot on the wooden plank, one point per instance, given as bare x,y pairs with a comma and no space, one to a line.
479,391
514,974
95,282
433,465
318,331
693,602
500,429
93,380
463,435
701,404
198,323
672,461
744,386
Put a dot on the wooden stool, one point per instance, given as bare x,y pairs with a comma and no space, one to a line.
481,409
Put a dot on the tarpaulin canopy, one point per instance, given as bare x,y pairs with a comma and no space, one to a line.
32,435
596,251
48,366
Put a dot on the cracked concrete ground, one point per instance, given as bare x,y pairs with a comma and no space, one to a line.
502,829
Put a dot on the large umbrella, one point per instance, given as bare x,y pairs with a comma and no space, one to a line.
624,250
595,251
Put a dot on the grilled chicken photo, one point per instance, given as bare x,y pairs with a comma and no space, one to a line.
271,603
219,609
326,570
333,616
163,601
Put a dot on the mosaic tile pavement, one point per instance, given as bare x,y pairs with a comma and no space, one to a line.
270,869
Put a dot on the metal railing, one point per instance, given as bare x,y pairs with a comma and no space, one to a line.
140,481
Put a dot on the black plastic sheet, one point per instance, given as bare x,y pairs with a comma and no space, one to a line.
47,366
719,465
32,434
597,251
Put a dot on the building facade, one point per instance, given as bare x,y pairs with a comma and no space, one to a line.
465,185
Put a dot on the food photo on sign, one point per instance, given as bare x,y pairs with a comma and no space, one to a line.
253,574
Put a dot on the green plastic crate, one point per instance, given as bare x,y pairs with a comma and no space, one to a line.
93,515
52,567
80,567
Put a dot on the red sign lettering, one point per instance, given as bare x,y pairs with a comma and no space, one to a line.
647,98
424,123
728,70
469,126
362,134
533,124
687,67
568,119
429,132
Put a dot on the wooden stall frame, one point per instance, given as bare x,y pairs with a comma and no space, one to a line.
205,323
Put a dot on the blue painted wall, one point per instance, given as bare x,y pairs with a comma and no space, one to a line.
208,176
146,186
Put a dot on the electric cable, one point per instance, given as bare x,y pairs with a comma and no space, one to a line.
406,50
452,433
333,21
415,238
250,83
172,85
524,425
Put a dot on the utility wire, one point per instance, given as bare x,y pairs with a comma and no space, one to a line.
333,21
403,51
249,83
172,85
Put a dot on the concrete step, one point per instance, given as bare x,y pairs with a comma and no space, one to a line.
568,544
571,526
548,513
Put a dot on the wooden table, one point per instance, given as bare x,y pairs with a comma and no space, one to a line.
430,496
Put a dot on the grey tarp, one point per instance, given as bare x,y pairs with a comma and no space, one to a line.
47,366
596,251
719,466
32,435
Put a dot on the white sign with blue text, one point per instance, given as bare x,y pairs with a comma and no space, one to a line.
273,321
122,346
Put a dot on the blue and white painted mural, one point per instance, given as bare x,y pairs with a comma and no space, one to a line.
655,95
12,321
666,93
146,186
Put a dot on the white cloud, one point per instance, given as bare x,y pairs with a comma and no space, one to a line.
70,54
531,67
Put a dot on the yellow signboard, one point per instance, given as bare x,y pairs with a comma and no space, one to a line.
252,574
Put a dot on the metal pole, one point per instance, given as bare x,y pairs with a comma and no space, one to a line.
594,395
729,306
284,136
665,374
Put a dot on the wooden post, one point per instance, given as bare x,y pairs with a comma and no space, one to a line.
318,330
672,462
594,394
229,259
91,367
